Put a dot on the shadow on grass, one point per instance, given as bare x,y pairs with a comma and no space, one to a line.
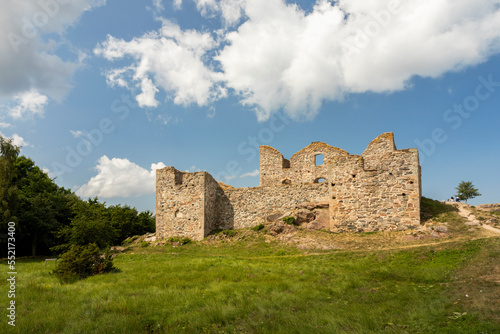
430,208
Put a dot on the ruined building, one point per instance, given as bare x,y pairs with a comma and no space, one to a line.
378,190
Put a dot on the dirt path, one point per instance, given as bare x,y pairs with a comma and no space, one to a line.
471,219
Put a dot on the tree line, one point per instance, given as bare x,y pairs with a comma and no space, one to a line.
50,219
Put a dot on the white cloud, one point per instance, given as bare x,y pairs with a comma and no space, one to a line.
251,174
193,169
120,178
230,11
17,140
273,55
177,4
169,59
282,57
76,133
29,104
158,5
27,59
4,125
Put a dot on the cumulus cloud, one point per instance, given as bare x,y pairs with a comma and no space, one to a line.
230,11
282,57
120,178
28,104
27,61
17,140
274,55
170,59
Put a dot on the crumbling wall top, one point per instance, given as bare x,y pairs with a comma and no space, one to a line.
270,149
319,146
380,145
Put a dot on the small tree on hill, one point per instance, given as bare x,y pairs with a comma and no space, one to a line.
466,190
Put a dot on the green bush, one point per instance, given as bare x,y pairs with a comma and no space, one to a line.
258,227
185,241
182,241
289,220
144,244
83,261
229,233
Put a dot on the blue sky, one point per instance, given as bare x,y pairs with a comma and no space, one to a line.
101,92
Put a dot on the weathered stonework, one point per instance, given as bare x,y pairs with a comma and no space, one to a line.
379,190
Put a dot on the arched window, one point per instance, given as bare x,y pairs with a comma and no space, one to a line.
286,181
319,180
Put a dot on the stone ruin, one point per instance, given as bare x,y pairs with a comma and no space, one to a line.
379,190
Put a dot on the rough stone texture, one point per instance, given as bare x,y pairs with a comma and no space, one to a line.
302,168
251,206
321,220
379,190
184,203
305,216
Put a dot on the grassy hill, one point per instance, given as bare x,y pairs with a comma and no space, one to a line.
441,278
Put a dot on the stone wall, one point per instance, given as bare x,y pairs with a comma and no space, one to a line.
302,166
211,194
251,206
382,198
378,190
193,204
185,203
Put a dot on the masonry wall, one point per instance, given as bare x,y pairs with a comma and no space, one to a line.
378,190
180,203
251,206
211,190
301,168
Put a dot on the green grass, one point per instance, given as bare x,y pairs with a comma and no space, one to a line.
440,213
258,287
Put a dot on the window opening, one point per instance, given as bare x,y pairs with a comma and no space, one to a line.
319,159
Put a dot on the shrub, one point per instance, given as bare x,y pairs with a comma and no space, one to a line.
144,244
83,261
289,220
258,227
182,241
185,241
229,233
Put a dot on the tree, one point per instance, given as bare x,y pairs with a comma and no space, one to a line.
91,224
43,206
128,222
8,173
466,190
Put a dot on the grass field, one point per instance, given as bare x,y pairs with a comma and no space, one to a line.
257,285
